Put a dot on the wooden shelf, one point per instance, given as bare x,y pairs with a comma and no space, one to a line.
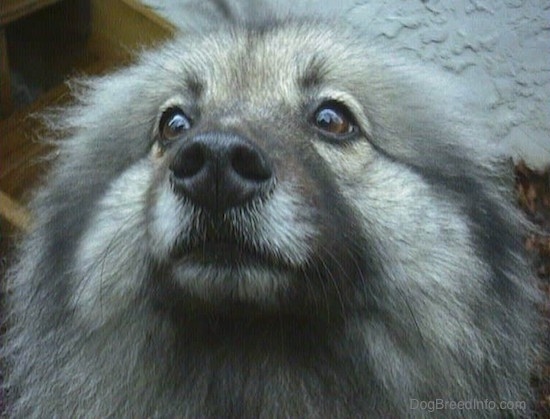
118,27
11,10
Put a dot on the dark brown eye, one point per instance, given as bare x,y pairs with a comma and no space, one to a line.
173,123
334,118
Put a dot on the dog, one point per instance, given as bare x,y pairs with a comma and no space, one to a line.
271,219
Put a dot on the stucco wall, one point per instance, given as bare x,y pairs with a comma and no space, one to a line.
499,50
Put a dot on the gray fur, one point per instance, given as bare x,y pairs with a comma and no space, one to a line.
393,264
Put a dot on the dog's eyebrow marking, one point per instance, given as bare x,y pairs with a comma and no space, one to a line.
194,85
314,72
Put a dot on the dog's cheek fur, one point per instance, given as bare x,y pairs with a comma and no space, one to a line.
433,285
112,258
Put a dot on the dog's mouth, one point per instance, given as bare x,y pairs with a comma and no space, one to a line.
226,253
222,247
218,269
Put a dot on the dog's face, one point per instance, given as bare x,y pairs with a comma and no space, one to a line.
263,170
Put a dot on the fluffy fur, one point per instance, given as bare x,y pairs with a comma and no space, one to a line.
378,269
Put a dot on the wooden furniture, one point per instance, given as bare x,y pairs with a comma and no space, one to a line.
11,10
5,91
118,27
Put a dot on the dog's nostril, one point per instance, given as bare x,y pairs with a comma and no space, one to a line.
249,164
190,162
218,171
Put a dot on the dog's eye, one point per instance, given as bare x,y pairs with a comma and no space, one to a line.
334,118
173,123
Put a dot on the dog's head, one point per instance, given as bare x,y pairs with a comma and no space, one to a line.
284,167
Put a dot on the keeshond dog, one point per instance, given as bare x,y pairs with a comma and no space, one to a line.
271,220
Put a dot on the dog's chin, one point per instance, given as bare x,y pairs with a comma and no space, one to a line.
224,271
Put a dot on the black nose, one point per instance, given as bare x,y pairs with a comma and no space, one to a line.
218,171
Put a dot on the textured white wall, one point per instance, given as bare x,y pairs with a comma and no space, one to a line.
499,50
